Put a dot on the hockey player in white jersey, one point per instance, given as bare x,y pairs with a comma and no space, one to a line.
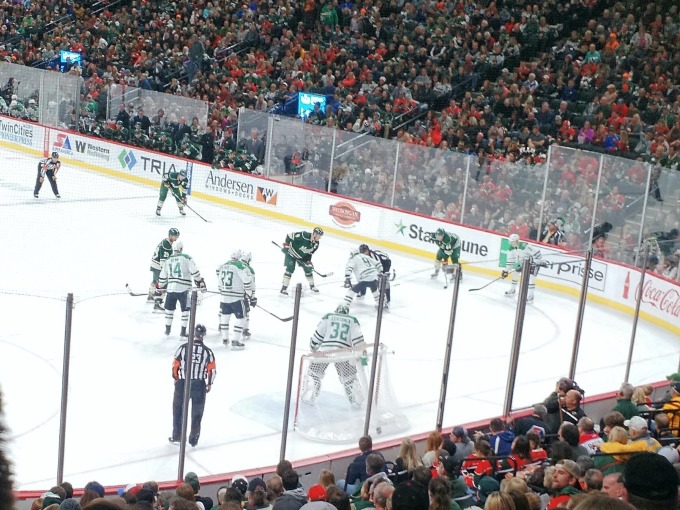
336,330
246,257
517,254
366,271
235,286
387,270
175,278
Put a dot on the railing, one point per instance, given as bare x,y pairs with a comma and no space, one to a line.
597,200
56,95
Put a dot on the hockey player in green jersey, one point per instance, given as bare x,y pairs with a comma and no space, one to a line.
176,183
449,248
160,255
188,148
299,248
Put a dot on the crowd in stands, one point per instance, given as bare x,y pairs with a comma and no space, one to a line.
556,457
502,81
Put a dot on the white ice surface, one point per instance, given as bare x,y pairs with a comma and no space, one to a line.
101,235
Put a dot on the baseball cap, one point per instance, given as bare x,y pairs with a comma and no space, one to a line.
240,483
256,483
317,493
675,384
486,486
638,482
673,377
636,423
570,467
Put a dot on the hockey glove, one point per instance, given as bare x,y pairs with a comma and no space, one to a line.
42,179
184,199
348,283
201,285
54,178
253,301
504,274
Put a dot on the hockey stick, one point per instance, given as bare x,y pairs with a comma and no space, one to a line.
485,286
282,319
135,294
322,275
187,205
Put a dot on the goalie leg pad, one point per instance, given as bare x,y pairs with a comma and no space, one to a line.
311,385
350,382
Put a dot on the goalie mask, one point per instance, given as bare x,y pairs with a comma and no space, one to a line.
343,309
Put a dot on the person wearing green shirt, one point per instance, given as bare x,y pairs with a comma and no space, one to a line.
176,183
329,16
298,249
160,255
449,246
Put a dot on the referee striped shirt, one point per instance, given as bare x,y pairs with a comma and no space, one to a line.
203,367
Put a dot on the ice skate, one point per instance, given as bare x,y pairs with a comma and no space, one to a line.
193,441
237,346
313,288
172,440
158,307
530,298
182,212
284,291
58,195
35,195
167,330
225,341
183,332
510,292
435,274
158,211
246,334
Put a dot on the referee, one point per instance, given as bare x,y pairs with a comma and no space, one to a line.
203,370
48,167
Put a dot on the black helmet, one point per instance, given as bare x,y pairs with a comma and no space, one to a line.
363,248
199,331
55,154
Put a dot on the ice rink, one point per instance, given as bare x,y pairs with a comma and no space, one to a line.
101,235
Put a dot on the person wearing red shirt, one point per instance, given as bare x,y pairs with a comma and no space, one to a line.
476,465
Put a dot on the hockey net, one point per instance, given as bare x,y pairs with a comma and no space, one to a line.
330,405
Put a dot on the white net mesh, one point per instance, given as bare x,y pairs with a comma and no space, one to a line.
332,392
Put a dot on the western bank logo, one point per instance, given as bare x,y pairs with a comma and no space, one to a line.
127,159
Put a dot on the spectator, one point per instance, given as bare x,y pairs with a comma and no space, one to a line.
644,491
569,433
408,459
356,471
624,404
534,423
464,445
500,439
612,486
293,496
564,483
432,446
588,438
673,407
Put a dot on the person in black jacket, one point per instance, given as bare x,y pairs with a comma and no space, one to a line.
534,423
181,129
356,471
143,120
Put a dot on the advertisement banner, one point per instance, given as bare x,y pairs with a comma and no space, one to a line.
237,186
345,214
20,133
417,232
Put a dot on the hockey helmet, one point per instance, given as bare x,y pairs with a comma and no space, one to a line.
514,240
363,248
236,255
439,233
318,231
344,309
199,331
173,232
183,173
177,246
246,257
55,154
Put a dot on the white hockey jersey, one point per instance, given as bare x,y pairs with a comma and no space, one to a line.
177,273
337,331
234,281
517,256
365,268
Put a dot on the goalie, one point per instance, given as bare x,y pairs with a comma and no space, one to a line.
517,254
336,330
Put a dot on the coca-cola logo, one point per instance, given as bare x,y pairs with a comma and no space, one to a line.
665,300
